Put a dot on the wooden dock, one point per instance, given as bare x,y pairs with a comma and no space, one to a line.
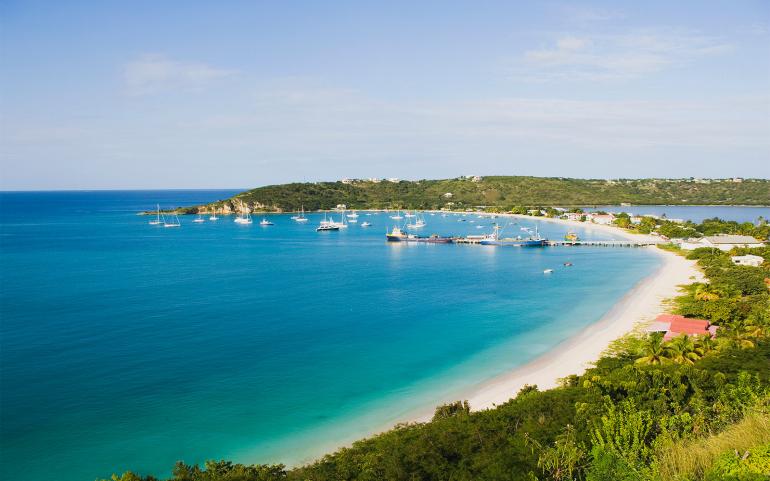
606,243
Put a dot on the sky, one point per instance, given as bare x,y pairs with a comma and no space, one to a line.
187,94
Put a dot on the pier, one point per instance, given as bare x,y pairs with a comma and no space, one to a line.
605,243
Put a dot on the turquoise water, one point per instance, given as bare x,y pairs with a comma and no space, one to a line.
128,346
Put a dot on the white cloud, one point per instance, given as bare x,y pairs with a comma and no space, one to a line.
615,56
155,73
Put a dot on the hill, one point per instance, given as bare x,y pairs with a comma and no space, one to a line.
496,191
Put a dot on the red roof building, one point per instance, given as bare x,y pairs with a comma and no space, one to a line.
674,325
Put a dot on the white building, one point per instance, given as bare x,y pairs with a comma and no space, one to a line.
603,219
747,260
723,242
347,181
575,216
395,180
448,195
636,220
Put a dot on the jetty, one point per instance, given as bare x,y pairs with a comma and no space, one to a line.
606,243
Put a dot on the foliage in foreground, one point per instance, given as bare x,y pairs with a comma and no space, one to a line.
687,410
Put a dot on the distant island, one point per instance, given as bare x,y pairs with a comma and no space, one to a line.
491,192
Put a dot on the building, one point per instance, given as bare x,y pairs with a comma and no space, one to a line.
347,181
673,325
747,260
574,216
636,220
723,242
603,219
448,195
394,180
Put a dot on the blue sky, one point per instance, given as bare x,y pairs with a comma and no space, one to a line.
239,94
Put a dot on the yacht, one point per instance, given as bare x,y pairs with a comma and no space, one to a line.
213,215
243,219
366,224
327,225
199,219
265,222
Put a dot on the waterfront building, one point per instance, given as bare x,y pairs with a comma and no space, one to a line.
723,242
747,260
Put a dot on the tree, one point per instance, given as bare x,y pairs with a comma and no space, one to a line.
655,351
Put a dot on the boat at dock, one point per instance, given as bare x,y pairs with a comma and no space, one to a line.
494,239
398,235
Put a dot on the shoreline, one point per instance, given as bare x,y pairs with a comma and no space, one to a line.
638,307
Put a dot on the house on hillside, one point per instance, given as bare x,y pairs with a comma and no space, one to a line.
723,242
574,216
673,325
747,260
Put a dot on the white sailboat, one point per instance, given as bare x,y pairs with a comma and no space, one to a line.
199,219
213,215
157,220
417,223
397,216
409,216
264,221
366,224
175,223
327,225
353,215
301,217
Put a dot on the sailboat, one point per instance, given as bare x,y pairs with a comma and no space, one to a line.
326,225
417,223
409,216
353,215
397,216
213,215
264,221
244,216
199,219
157,220
301,217
172,224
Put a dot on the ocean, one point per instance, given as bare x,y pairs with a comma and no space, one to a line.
130,346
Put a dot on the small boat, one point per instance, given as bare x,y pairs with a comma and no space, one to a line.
172,224
327,225
409,216
366,224
243,219
397,235
301,217
214,216
571,237
353,215
199,219
397,216
418,223
567,264
157,220
265,222
547,271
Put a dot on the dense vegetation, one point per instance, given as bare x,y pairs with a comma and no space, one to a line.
499,191
687,409
687,229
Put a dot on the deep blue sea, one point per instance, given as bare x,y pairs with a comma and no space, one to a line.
129,346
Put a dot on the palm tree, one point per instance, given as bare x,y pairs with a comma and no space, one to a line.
685,350
655,352
706,292
705,344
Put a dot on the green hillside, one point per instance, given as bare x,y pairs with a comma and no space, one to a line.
498,191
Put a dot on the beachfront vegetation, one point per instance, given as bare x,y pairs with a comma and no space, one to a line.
688,229
495,192
693,408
